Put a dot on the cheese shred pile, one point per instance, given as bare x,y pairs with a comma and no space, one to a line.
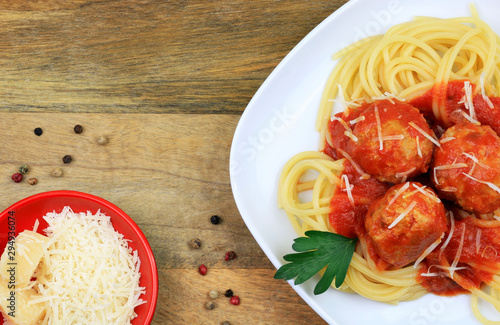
89,274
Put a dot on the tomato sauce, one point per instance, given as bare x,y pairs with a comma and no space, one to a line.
450,99
479,259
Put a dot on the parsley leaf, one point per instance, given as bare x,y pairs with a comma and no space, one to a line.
317,250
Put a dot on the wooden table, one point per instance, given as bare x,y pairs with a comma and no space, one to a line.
166,83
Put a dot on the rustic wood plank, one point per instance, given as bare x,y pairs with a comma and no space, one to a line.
263,299
145,56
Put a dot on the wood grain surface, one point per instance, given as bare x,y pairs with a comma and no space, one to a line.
166,82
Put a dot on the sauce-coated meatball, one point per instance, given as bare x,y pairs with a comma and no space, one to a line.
404,222
390,142
466,169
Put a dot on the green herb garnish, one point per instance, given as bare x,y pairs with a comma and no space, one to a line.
317,250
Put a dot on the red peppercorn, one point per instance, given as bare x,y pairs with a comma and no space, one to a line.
230,256
17,177
235,300
202,269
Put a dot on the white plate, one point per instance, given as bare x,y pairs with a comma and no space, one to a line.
279,123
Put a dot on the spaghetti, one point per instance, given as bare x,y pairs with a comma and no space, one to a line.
449,69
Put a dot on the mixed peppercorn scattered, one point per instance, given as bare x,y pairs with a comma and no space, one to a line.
57,172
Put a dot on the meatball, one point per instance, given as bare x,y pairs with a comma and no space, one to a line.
466,169
404,222
390,141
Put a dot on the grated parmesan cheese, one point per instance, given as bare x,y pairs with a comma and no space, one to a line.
428,250
398,193
447,139
358,119
425,134
344,123
404,175
469,118
354,164
483,93
447,167
453,267
467,100
419,150
348,188
351,136
89,274
379,128
490,184
452,230
389,96
473,158
429,194
403,214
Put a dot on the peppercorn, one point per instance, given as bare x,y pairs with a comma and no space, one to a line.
210,305
235,300
215,219
102,140
17,177
202,269
67,159
57,172
33,181
230,256
78,129
38,131
225,323
229,293
214,294
23,169
195,243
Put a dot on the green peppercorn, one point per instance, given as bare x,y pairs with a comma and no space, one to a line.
57,172
210,305
102,140
23,169
214,294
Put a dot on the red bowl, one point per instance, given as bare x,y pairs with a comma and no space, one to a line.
35,207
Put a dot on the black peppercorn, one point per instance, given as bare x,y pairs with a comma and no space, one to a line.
78,129
215,219
38,131
229,293
67,159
